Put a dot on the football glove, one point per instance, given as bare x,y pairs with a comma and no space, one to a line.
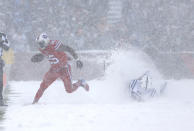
79,64
37,58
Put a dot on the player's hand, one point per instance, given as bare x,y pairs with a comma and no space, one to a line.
79,64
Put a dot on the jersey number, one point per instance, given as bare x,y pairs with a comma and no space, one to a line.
53,59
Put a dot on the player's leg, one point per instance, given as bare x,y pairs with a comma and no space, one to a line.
67,80
49,78
150,92
66,77
1,85
156,91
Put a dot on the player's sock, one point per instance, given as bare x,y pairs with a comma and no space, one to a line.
84,85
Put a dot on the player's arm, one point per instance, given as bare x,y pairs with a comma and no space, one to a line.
70,50
37,58
4,42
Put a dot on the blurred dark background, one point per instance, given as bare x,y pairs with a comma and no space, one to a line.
164,29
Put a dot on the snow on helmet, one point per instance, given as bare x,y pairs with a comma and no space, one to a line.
42,40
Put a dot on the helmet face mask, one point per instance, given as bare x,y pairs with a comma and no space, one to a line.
42,40
41,44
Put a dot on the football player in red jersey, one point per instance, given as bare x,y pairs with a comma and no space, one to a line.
54,50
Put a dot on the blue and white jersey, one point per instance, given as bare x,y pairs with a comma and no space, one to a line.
141,88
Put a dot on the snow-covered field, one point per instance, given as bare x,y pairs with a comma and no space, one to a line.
107,106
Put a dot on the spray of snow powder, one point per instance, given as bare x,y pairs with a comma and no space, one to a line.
107,106
124,66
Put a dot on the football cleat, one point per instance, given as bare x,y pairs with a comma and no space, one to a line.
84,85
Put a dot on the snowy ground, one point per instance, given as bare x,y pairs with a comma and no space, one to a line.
106,107
59,111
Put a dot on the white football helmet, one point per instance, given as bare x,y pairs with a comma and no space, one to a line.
42,40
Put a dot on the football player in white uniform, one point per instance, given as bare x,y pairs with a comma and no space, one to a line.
142,88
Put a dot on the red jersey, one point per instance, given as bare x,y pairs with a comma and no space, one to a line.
56,58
